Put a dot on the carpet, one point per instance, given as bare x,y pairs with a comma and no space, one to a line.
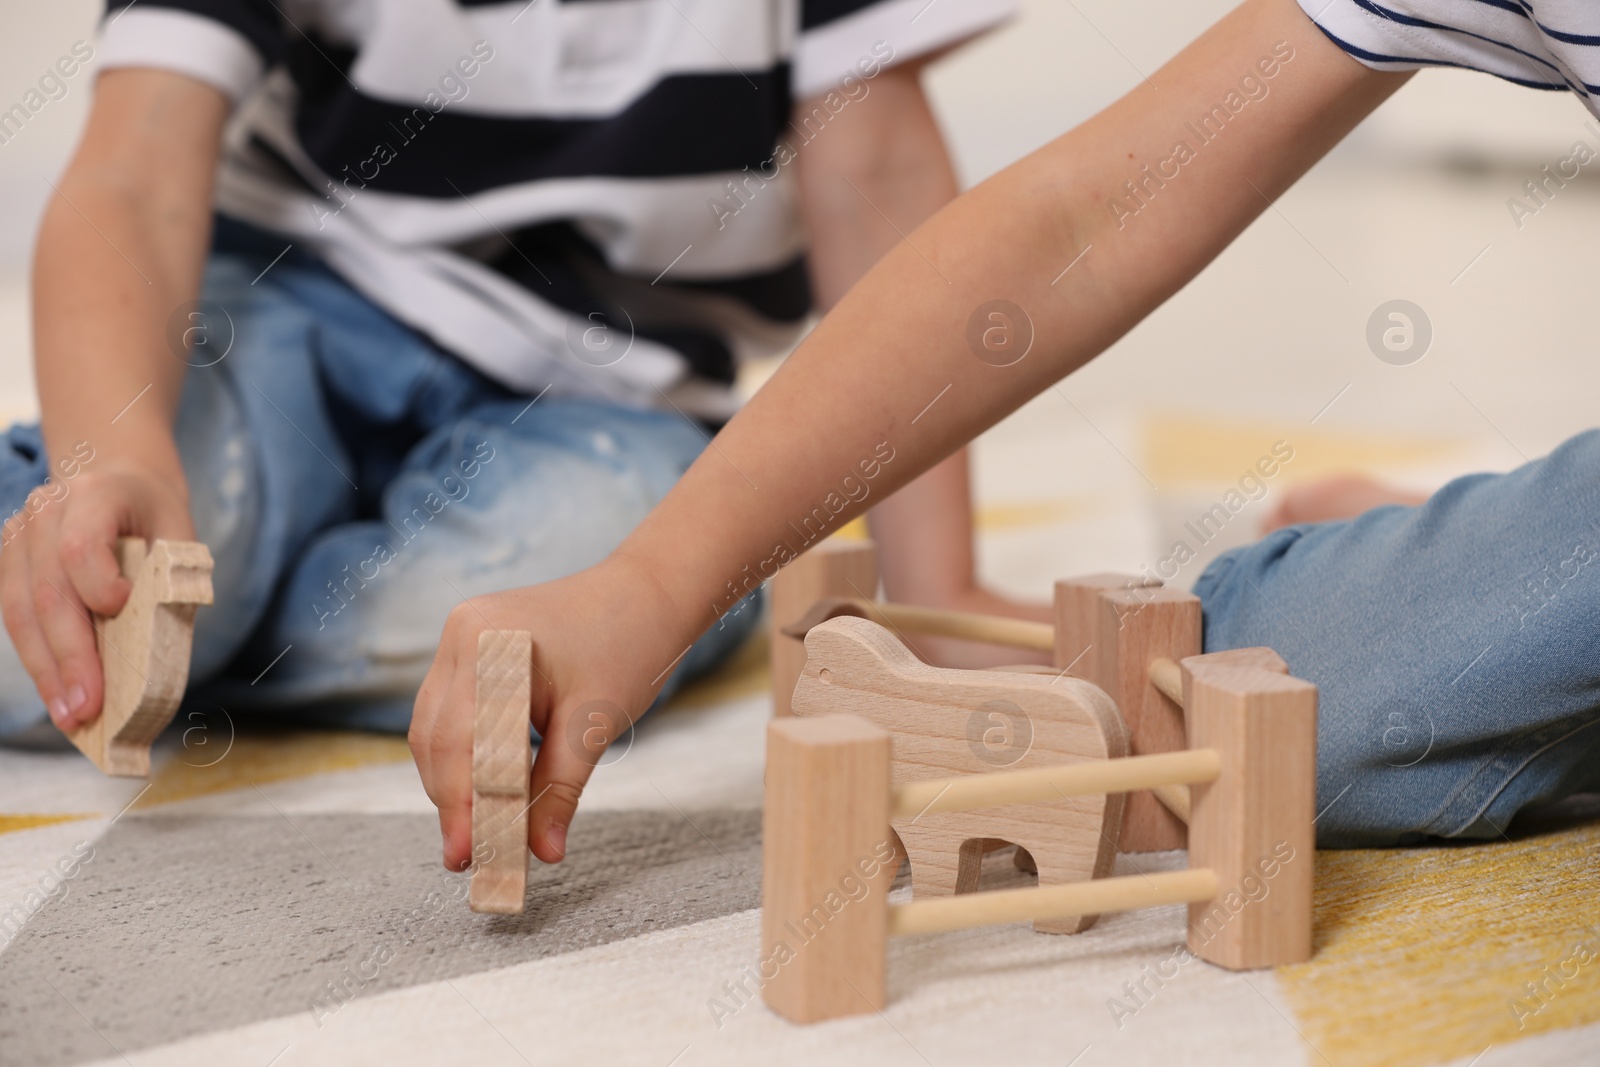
273,898
304,919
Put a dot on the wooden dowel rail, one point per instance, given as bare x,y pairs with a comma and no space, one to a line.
1166,676
968,792
1175,798
1098,897
933,622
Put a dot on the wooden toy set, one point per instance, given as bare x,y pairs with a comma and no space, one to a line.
1133,741
882,756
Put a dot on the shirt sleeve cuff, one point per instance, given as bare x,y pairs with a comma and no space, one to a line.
184,44
884,34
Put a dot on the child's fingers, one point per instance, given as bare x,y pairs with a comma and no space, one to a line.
441,743
88,555
22,624
560,771
452,770
424,712
69,632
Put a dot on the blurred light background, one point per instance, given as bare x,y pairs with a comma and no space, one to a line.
1101,472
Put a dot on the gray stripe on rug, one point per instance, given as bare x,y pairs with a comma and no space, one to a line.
182,925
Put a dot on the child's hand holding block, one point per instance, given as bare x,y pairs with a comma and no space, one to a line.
144,652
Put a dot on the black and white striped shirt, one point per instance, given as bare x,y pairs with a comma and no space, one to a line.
589,195
1548,44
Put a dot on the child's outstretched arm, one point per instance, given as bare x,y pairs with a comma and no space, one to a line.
877,170
901,364
120,251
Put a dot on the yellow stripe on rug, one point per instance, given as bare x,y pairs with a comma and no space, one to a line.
10,824
1427,955
254,759
1183,450
1052,511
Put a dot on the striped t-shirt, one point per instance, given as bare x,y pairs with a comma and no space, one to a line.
1543,44
591,196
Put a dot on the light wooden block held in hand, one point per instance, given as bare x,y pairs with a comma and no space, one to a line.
502,765
144,652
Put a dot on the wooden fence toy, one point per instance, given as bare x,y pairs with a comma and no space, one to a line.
1119,632
144,652
832,802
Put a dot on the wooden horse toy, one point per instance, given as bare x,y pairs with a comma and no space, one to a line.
144,652
832,805
946,722
1124,634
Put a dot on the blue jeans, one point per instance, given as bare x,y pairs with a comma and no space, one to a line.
1456,646
355,482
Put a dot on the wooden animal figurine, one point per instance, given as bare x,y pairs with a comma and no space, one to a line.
144,652
1118,631
502,766
832,802
946,722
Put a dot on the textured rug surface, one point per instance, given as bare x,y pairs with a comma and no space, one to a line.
181,924
307,918
274,899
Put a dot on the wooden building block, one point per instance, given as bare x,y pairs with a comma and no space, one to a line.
1260,657
1252,826
833,568
144,652
1109,628
827,865
949,722
502,765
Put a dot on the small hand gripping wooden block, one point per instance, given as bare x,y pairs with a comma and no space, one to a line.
947,722
144,652
502,764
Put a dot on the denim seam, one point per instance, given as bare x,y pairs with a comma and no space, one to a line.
1485,794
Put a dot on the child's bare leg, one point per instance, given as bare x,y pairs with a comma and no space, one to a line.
1343,496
